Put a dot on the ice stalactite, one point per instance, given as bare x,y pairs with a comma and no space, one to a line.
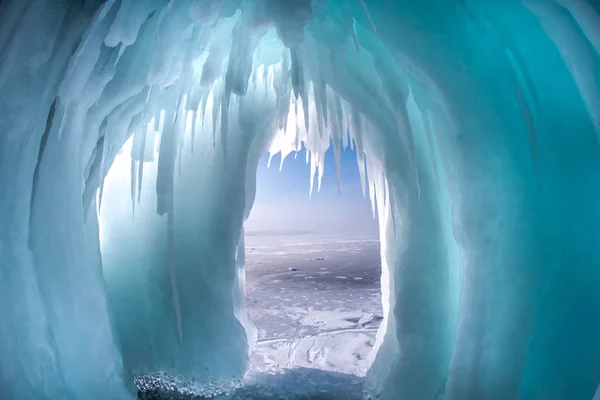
475,126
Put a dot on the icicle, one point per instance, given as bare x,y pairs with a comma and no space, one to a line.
133,185
139,180
190,123
193,132
203,107
122,48
150,144
305,111
147,153
225,119
380,194
140,158
319,108
340,121
295,101
371,177
281,162
161,124
385,194
313,170
298,138
166,164
265,77
307,152
357,130
284,122
321,169
320,97
360,159
173,274
215,115
373,198
182,120
271,75
335,138
270,158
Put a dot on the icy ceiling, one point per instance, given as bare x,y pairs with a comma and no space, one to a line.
476,124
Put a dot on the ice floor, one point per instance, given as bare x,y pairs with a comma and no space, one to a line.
296,384
316,303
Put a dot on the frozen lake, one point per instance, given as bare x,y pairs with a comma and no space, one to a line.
316,301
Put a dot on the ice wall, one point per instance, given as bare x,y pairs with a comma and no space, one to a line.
476,125
52,305
176,295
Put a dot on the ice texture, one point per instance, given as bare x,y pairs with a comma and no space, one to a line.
476,126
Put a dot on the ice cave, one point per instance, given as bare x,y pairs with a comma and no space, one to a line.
477,129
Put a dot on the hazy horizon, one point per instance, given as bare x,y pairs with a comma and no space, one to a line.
283,206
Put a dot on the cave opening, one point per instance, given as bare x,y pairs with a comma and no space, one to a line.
312,268
479,125
321,314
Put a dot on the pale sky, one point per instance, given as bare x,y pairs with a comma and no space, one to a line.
282,204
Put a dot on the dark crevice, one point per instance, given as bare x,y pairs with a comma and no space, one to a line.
41,153
92,180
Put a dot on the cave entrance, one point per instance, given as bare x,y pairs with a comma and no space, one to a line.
313,268
314,279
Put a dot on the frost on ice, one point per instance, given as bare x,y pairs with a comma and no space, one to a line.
475,125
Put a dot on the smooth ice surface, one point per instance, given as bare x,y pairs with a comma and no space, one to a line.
476,125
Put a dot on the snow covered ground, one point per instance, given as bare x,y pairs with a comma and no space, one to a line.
315,300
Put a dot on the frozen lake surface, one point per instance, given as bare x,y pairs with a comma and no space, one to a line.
316,301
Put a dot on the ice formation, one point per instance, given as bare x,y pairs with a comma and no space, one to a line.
476,125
